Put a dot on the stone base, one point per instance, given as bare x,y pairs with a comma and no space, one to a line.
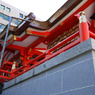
70,73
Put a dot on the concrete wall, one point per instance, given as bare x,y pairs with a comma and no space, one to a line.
70,73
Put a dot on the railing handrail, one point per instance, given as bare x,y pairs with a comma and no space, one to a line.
50,50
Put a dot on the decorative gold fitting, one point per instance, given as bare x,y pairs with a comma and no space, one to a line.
14,37
20,58
61,24
14,65
30,49
28,58
28,31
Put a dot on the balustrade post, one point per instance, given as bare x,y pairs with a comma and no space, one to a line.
13,69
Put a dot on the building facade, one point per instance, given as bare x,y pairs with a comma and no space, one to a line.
6,11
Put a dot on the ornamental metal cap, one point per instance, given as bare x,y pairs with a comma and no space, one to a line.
82,17
82,13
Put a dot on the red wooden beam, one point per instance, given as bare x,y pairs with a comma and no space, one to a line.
17,70
38,33
5,77
37,58
6,67
92,35
21,39
34,51
4,71
15,47
9,63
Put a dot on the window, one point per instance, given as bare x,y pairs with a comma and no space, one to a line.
21,15
3,16
17,22
2,7
6,17
8,9
2,27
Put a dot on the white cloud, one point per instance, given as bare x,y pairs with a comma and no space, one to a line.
42,9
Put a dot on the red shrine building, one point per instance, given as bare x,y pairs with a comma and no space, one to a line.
32,42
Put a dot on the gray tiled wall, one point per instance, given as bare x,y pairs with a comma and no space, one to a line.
70,73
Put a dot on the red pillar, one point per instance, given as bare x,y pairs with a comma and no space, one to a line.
83,27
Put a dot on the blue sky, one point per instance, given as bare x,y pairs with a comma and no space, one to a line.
42,9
